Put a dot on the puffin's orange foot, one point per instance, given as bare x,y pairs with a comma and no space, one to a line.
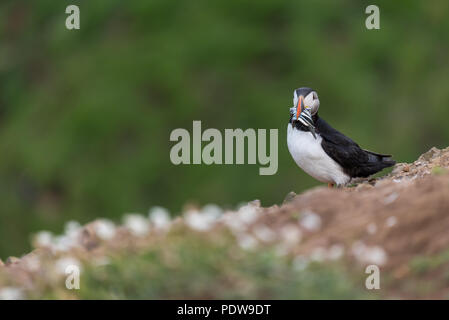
330,185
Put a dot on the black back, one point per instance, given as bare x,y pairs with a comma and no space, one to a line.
355,161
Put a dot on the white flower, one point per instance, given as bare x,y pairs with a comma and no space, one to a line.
369,255
63,243
240,220
101,261
300,263
281,249
335,252
137,224
160,218
357,248
375,255
213,210
72,228
246,241
199,221
391,221
318,254
310,221
31,262
104,229
62,264
43,239
72,234
391,198
247,214
371,228
263,233
291,234
11,293
230,219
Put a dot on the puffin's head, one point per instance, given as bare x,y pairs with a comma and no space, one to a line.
305,105
309,99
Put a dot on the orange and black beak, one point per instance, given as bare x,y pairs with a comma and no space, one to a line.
304,116
300,106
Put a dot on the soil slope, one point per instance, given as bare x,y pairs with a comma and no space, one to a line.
398,222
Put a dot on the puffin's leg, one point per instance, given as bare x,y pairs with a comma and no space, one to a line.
330,185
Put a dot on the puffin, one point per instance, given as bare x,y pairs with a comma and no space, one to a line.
323,152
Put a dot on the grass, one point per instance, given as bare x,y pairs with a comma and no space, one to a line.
186,266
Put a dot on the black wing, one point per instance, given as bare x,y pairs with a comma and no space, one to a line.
355,161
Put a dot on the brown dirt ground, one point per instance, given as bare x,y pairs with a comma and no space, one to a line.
404,214
415,196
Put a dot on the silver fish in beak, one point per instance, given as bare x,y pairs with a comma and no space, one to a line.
302,114
306,119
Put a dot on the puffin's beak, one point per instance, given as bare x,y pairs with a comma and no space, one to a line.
300,106
303,114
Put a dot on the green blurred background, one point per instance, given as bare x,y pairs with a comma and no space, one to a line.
85,116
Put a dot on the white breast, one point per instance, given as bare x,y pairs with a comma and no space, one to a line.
310,157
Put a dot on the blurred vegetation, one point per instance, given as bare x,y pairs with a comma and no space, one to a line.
85,116
196,266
